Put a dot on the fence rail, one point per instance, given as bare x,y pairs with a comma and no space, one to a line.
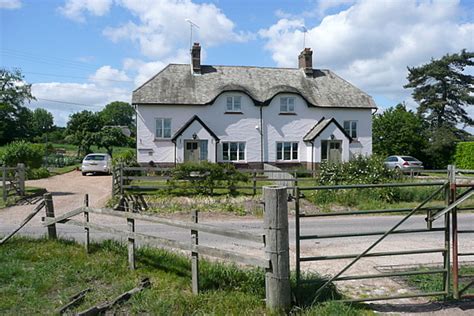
13,181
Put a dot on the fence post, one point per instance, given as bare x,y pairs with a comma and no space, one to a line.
277,277
195,255
86,222
254,182
447,241
4,182
454,231
295,183
131,239
49,207
121,179
21,178
113,181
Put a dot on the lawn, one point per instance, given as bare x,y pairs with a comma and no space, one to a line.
38,277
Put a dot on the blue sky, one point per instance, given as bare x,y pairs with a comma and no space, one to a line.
82,54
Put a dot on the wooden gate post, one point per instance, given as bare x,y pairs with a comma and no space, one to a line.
49,207
131,239
194,255
277,277
454,229
21,178
4,182
86,222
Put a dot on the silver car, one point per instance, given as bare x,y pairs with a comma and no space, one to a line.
403,163
96,163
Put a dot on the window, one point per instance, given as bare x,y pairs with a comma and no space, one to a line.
234,104
163,128
233,151
287,151
324,150
287,104
351,128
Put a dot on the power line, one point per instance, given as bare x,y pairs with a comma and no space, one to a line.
67,102
68,76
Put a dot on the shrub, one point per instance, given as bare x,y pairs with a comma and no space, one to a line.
39,173
127,157
464,157
23,152
205,176
360,169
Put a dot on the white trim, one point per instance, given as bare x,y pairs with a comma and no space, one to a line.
287,105
163,128
238,151
291,151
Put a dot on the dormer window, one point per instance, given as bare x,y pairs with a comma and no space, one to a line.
287,105
234,103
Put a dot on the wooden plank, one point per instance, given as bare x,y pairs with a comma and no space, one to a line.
148,178
24,222
74,300
186,225
60,218
86,220
131,239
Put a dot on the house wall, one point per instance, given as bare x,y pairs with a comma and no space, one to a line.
201,133
242,127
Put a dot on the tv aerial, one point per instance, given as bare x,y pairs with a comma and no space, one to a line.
191,25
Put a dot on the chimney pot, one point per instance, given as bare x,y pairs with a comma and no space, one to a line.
196,58
305,61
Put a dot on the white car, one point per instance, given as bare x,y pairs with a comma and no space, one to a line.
94,163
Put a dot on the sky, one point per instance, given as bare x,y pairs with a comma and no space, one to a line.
82,54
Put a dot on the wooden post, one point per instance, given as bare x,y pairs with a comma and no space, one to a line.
49,206
21,178
194,255
254,182
295,183
86,221
277,278
447,241
4,182
113,181
454,230
121,179
131,239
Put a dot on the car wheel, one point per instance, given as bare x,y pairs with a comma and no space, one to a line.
84,173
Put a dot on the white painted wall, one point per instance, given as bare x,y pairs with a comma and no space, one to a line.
242,127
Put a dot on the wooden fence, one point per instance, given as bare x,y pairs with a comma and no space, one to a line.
274,259
13,181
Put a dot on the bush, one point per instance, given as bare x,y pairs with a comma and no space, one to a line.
360,169
23,152
40,173
205,176
127,157
464,157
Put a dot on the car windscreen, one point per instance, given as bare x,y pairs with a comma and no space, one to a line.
408,158
95,157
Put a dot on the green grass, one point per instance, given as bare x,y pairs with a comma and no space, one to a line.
14,198
63,170
434,282
38,276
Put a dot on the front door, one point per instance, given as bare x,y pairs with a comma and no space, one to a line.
191,150
335,151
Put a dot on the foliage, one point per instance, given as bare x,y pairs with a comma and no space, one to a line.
441,148
398,131
360,169
40,173
23,152
442,89
15,118
464,157
127,157
205,176
109,137
41,122
118,113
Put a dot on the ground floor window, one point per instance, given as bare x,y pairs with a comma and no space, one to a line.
287,151
233,151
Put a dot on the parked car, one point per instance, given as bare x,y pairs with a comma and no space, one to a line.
403,163
96,163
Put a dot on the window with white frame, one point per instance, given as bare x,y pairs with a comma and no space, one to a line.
163,128
233,151
287,151
234,103
287,105
351,128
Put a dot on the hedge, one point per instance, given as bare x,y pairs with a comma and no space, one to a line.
464,157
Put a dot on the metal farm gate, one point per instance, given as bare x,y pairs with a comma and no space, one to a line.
441,220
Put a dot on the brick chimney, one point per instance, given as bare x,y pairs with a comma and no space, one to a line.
305,61
196,58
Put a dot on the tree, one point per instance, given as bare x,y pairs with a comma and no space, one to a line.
109,137
398,131
118,114
442,89
14,92
81,129
42,121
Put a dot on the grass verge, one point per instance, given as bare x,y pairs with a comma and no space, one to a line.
38,276
30,191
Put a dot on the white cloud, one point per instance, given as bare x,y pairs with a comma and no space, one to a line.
76,97
372,42
75,9
107,76
162,28
10,4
